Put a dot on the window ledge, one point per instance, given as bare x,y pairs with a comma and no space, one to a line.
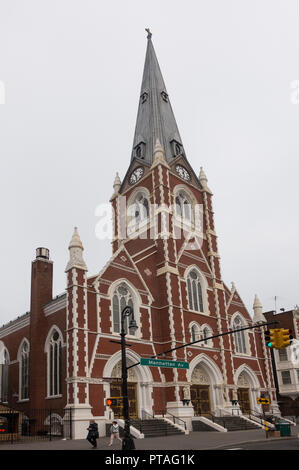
53,397
198,313
242,354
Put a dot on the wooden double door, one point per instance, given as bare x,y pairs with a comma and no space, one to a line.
116,391
244,400
200,398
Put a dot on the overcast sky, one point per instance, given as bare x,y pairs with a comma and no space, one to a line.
72,72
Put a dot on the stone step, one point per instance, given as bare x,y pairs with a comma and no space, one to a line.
235,423
155,427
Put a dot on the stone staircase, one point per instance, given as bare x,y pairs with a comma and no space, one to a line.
235,423
155,427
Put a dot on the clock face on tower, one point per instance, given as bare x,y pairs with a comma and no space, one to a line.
136,175
182,172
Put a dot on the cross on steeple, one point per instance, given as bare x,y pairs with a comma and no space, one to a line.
149,34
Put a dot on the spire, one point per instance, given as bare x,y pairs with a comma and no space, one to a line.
155,118
76,253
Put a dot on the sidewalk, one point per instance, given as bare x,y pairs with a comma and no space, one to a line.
194,441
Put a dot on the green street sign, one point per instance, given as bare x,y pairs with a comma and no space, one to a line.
164,363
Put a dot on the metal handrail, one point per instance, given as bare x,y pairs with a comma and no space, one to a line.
272,419
164,414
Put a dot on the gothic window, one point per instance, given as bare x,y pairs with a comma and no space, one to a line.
4,377
194,291
239,336
183,206
139,150
122,297
138,211
177,148
54,364
195,332
207,333
24,371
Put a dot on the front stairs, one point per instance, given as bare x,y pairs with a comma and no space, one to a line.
155,427
235,423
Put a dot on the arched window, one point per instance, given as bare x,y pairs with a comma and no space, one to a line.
194,291
122,297
195,332
24,370
4,377
207,333
183,206
138,211
239,336
54,364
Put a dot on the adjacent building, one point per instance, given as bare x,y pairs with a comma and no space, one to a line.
286,363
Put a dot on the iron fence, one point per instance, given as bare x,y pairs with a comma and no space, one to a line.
35,424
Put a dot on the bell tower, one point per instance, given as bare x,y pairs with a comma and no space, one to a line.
168,208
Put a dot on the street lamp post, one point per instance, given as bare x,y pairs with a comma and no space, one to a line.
128,442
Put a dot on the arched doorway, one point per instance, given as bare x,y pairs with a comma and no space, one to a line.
116,391
200,392
140,384
243,392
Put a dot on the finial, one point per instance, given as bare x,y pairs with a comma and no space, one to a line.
149,34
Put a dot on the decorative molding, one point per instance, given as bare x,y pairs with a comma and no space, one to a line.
167,269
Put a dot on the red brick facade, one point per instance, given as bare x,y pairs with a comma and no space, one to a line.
153,268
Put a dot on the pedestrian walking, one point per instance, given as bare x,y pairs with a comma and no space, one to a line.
114,432
93,433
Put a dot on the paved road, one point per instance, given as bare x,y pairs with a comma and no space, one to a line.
194,441
276,444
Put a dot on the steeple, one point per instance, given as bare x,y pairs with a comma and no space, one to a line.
155,118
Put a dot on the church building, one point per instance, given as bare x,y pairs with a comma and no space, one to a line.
65,352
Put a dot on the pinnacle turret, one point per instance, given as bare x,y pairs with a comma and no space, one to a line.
258,311
76,252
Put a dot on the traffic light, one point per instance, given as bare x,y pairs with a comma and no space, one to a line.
278,338
284,338
270,337
111,401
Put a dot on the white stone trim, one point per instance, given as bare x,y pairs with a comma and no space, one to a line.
55,305
210,423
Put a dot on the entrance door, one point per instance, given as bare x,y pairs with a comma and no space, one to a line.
200,398
116,391
243,399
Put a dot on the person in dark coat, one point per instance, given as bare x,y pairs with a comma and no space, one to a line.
93,433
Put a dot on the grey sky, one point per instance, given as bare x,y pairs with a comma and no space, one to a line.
72,72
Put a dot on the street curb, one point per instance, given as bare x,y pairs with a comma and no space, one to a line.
289,438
